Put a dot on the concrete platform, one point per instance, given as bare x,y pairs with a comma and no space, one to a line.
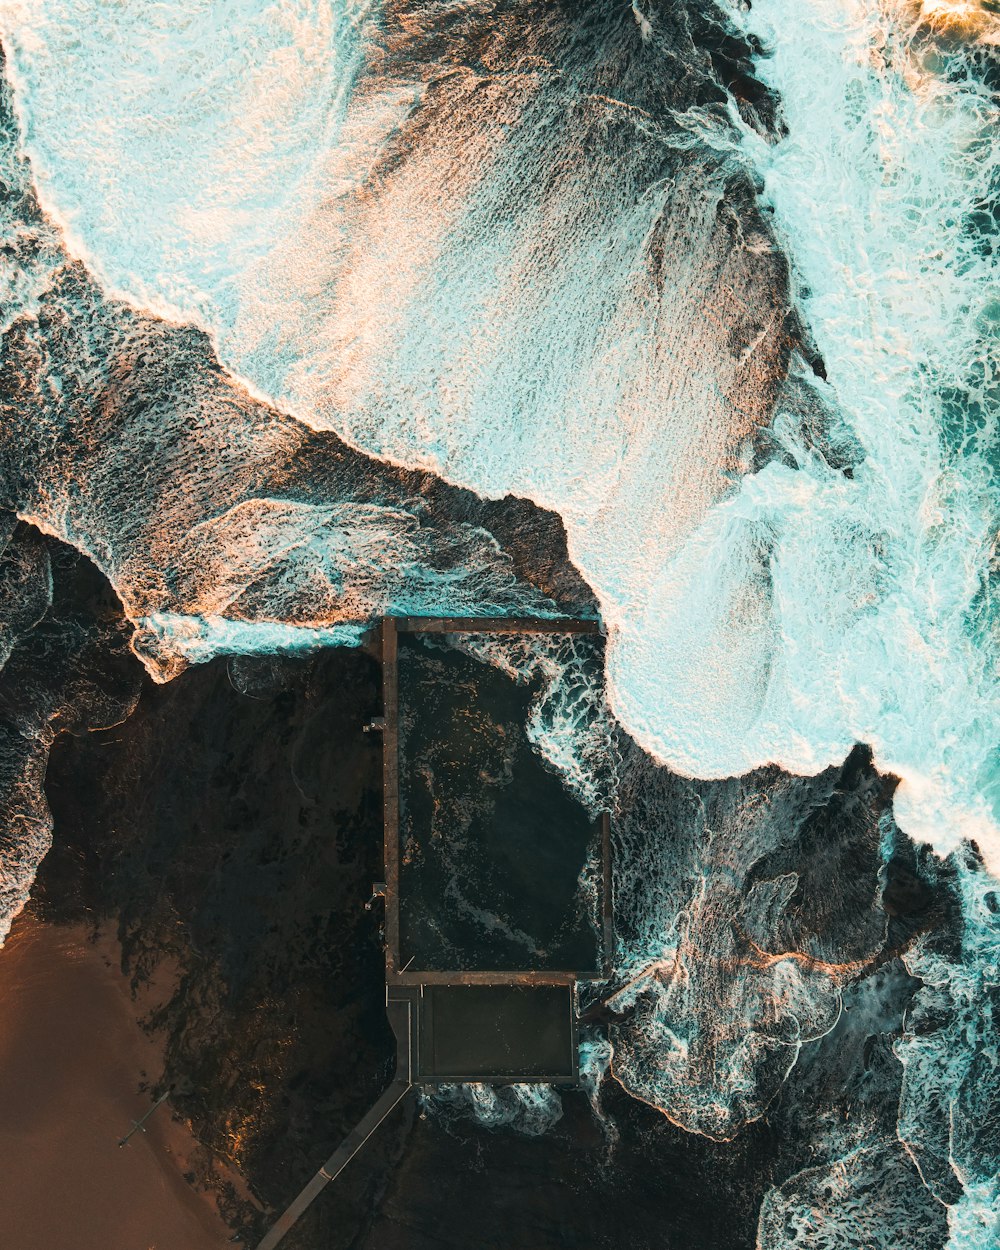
497,1033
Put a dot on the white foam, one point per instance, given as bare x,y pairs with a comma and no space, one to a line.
879,622
528,1109
211,160
951,1035
166,639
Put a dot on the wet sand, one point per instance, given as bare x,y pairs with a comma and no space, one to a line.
72,1056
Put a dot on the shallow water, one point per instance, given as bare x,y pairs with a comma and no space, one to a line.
72,1056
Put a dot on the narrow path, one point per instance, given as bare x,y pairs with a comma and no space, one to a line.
400,1015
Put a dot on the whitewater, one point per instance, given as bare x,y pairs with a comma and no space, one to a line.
756,613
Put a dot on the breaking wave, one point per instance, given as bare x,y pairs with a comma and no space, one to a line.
528,1109
412,266
459,271
881,625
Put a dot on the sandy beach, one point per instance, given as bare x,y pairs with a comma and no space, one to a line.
72,1057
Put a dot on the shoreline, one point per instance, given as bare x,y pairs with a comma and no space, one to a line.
73,1056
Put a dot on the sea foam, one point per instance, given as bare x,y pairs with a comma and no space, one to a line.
460,272
518,283
882,618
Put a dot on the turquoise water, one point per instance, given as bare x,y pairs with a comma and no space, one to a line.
754,617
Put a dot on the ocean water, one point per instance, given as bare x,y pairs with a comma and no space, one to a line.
741,339
471,306
543,249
